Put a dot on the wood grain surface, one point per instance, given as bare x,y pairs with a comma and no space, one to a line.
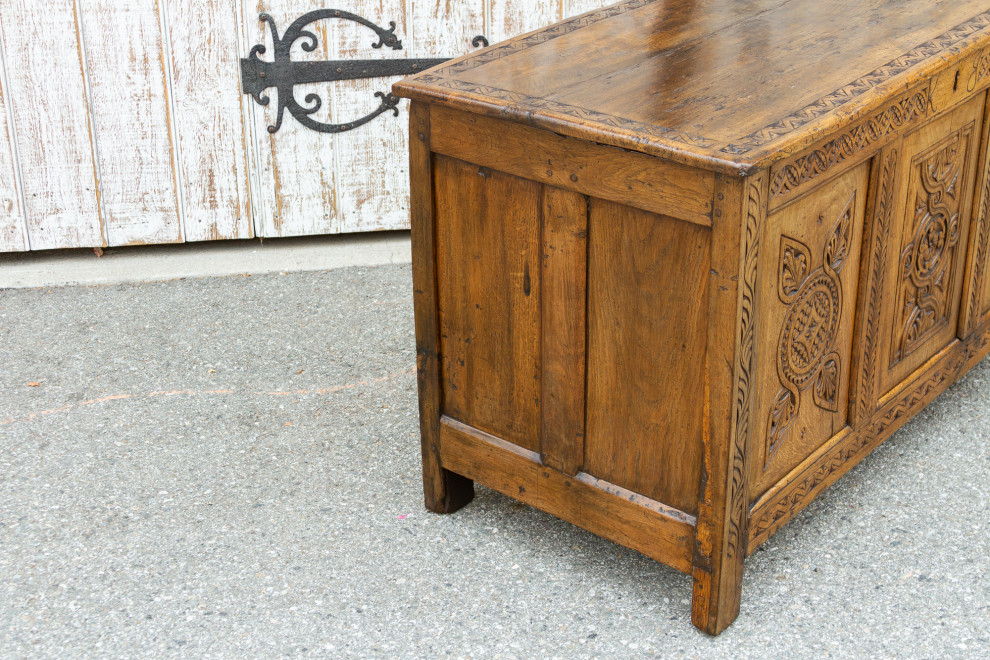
703,59
131,119
210,129
50,108
488,277
13,229
647,289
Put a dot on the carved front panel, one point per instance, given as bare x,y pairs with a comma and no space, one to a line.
810,267
929,232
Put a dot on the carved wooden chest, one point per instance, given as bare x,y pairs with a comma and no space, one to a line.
680,264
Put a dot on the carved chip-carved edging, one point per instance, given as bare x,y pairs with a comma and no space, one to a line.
883,214
847,145
746,372
980,259
865,83
793,497
927,262
981,69
806,354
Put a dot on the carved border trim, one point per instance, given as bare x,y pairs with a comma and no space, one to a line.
981,69
883,215
800,492
980,258
847,145
746,371
849,92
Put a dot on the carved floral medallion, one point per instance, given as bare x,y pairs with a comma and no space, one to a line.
926,261
806,356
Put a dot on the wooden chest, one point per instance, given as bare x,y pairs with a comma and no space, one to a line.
680,264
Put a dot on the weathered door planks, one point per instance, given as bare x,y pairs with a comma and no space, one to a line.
210,129
131,122
297,179
373,190
133,129
13,230
47,94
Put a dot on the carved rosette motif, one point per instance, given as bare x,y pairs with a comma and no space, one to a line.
926,261
806,356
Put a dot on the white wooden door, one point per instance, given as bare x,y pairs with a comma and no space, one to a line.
123,122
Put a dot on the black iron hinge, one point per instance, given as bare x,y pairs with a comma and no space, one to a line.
283,73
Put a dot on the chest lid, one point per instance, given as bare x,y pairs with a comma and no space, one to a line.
730,85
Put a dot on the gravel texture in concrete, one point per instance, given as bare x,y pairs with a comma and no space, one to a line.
229,468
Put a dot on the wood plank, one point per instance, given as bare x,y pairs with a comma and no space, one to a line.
592,169
47,94
13,228
647,305
488,268
509,18
296,167
440,28
658,531
372,193
563,295
444,491
130,113
203,53
575,7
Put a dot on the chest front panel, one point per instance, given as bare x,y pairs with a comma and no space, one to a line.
933,203
810,265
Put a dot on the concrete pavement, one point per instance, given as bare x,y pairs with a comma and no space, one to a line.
228,467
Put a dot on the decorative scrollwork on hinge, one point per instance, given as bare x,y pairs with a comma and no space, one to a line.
282,73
